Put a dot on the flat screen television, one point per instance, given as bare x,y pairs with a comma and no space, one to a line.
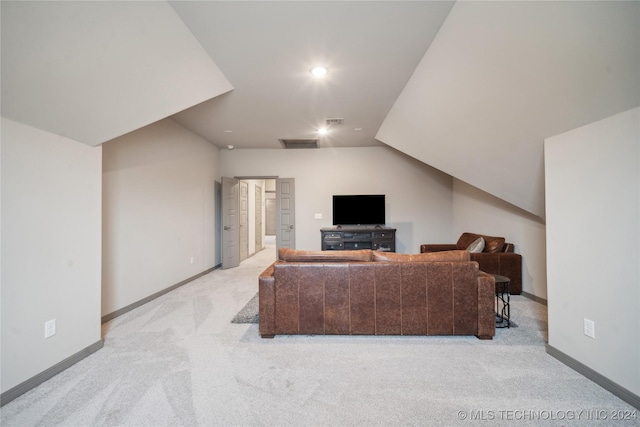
363,209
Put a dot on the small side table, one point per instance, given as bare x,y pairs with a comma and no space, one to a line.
503,307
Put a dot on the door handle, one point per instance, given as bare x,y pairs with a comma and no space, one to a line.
226,227
291,226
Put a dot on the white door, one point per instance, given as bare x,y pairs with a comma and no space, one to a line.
230,220
244,220
285,209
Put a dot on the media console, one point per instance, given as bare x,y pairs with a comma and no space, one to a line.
349,238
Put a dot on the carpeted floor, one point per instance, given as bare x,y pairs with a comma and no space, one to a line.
178,360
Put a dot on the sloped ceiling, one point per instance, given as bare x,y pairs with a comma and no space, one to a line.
500,77
266,49
92,71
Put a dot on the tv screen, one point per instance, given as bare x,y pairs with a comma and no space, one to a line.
359,210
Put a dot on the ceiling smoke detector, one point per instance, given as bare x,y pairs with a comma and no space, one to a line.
299,143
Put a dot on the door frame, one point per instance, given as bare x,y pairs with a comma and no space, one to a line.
258,214
220,242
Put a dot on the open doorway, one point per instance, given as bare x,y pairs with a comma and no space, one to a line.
252,216
255,212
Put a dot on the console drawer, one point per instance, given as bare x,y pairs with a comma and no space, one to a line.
383,235
357,245
333,246
332,236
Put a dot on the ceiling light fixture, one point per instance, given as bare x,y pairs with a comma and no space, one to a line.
319,71
230,147
323,131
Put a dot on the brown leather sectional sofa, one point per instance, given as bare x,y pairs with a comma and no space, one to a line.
376,293
497,257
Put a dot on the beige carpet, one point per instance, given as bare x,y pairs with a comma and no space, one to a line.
179,360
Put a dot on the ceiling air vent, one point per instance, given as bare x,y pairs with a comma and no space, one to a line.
335,122
299,143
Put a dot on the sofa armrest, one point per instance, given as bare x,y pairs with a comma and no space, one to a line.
267,303
437,247
486,306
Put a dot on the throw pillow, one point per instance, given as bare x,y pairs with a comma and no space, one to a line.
466,239
476,246
491,244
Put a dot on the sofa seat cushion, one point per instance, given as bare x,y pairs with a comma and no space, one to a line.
492,244
297,255
445,256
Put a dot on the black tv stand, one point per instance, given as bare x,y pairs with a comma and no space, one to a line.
345,237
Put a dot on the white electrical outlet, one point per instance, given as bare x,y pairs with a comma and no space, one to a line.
49,328
590,328
317,216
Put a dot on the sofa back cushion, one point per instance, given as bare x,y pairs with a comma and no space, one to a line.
492,244
296,255
444,256
377,298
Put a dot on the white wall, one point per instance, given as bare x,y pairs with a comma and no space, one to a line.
593,249
480,212
51,249
418,197
158,211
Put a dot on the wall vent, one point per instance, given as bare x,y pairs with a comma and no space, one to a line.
299,143
334,122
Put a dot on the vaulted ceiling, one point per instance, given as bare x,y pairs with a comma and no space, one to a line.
266,49
471,88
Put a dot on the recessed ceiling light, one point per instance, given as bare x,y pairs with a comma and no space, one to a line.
357,129
319,71
228,131
230,147
323,131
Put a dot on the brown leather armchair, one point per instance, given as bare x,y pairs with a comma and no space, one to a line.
497,257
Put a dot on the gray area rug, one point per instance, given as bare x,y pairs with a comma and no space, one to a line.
249,313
